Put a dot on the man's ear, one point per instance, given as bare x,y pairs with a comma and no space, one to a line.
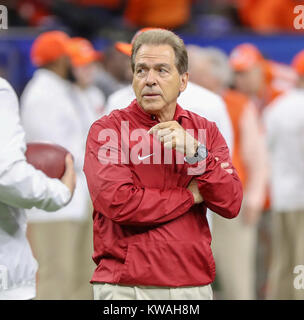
184,81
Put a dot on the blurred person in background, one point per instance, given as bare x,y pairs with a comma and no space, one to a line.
22,186
84,59
60,241
284,121
114,71
235,243
260,79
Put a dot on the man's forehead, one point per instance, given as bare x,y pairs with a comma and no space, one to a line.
157,53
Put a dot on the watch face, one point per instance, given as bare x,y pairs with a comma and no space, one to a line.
202,152
191,160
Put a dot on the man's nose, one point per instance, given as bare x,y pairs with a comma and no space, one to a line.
151,78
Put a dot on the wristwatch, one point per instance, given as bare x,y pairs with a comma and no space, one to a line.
200,155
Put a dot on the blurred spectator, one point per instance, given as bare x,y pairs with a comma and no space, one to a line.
84,59
170,14
268,15
114,72
260,79
60,241
234,242
284,120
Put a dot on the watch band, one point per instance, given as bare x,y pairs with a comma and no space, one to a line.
200,155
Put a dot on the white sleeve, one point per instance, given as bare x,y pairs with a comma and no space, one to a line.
21,185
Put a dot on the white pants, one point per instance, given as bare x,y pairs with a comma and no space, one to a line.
107,291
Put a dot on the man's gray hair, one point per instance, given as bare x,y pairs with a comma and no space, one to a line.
161,37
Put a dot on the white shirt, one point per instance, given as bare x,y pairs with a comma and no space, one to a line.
195,99
21,186
50,113
284,122
92,102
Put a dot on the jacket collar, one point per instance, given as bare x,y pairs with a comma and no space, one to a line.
150,119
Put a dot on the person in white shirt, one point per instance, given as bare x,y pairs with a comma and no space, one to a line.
61,242
235,242
284,122
22,186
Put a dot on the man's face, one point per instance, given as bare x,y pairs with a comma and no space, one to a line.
85,74
156,81
250,81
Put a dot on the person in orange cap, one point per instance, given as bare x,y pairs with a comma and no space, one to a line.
84,60
260,79
82,52
284,123
49,51
50,111
235,242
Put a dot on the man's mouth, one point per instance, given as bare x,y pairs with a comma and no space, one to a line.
151,95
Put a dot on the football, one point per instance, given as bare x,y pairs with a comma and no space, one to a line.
47,157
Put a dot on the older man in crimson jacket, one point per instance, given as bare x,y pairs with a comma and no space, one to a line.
153,169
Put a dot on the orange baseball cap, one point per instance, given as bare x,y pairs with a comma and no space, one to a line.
298,63
126,48
82,52
48,47
245,56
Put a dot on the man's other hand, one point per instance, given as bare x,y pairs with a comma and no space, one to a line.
195,191
69,177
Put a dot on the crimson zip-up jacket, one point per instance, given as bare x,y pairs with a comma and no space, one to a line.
147,229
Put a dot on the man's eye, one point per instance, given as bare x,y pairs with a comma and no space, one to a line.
139,71
162,70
